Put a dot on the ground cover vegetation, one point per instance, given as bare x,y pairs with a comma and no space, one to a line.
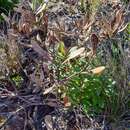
64,65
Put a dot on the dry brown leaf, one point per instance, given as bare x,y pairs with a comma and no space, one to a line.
74,54
66,101
27,21
94,42
98,70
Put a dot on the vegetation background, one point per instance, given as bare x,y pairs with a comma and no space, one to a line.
64,65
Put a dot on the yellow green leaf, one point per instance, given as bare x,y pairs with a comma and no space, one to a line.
61,48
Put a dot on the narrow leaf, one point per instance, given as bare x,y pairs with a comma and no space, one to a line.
61,48
41,8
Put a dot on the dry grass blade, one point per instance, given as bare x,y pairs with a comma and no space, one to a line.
40,51
2,120
106,27
41,9
118,20
48,90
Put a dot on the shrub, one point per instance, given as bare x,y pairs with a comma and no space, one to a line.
95,92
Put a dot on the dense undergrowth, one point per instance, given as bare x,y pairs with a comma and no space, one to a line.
64,65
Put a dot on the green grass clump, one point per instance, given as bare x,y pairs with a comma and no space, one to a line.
6,6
